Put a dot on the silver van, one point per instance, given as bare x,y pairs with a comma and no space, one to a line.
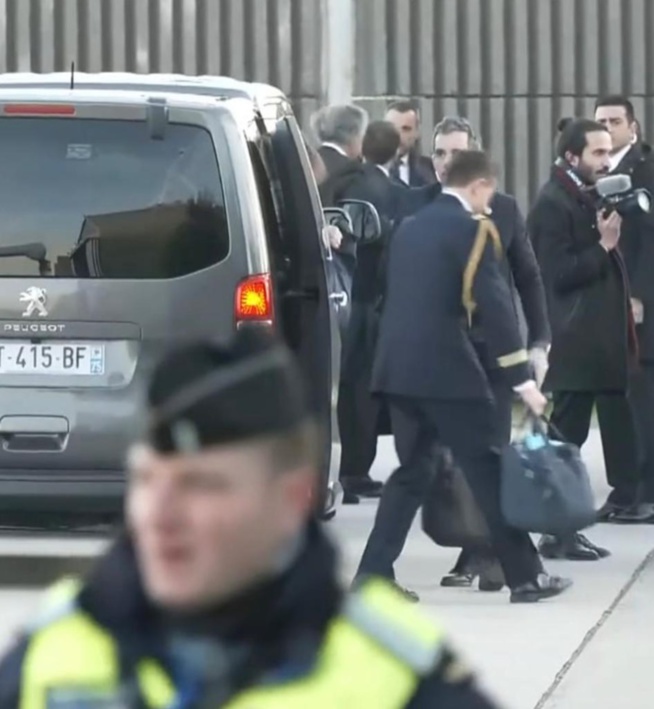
139,212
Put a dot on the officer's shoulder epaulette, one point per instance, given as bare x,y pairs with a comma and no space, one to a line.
60,601
379,610
486,229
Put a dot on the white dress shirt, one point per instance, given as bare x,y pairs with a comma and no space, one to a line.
617,158
404,170
335,147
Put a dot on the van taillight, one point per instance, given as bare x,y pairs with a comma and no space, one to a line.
254,301
38,109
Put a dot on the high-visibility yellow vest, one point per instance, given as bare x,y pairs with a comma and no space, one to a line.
374,655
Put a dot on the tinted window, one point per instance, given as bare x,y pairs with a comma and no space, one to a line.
101,199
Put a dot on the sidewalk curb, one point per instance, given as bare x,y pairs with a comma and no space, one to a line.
588,638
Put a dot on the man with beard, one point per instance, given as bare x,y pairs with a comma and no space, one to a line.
520,269
635,158
225,591
593,338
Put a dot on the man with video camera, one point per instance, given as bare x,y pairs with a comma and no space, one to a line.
593,337
635,159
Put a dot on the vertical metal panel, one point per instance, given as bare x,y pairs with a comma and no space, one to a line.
514,67
274,41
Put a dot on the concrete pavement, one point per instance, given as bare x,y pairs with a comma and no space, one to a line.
572,652
528,655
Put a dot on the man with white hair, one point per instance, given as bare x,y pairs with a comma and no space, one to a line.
340,130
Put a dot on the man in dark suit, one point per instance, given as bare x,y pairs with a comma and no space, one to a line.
635,158
410,167
442,268
362,417
520,269
341,130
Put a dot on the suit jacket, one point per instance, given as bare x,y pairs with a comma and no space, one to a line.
342,173
425,348
520,267
637,243
421,171
586,289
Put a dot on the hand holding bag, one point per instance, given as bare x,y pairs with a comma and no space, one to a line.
545,486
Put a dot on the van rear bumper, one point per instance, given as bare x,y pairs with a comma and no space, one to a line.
92,491
87,491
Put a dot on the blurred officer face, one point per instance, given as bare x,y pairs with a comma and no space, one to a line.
617,121
446,146
208,525
595,160
407,125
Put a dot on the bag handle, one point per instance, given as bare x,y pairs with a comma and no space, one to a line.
541,424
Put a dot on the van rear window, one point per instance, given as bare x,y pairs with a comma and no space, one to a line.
101,199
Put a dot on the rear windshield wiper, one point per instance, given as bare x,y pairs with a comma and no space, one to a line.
35,251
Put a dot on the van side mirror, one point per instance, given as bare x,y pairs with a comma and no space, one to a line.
365,220
338,218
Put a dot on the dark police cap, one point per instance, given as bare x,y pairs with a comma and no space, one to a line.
207,394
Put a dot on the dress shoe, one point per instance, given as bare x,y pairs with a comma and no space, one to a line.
555,548
411,596
642,513
610,509
457,580
491,577
362,486
349,498
585,542
544,587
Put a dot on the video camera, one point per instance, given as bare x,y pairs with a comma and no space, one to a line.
616,194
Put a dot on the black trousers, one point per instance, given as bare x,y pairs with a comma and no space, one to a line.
571,415
359,414
641,397
467,428
503,399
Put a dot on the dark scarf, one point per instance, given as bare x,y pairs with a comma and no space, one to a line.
587,197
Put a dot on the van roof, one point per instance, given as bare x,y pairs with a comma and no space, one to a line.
102,96
216,86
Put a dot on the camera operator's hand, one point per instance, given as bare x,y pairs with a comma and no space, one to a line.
609,229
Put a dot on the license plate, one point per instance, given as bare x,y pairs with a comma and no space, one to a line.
59,359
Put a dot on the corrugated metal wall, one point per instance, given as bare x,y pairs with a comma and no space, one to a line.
276,41
514,67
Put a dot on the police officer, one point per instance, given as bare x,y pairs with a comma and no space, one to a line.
443,268
224,592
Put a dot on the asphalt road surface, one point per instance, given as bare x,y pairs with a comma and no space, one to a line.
591,648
